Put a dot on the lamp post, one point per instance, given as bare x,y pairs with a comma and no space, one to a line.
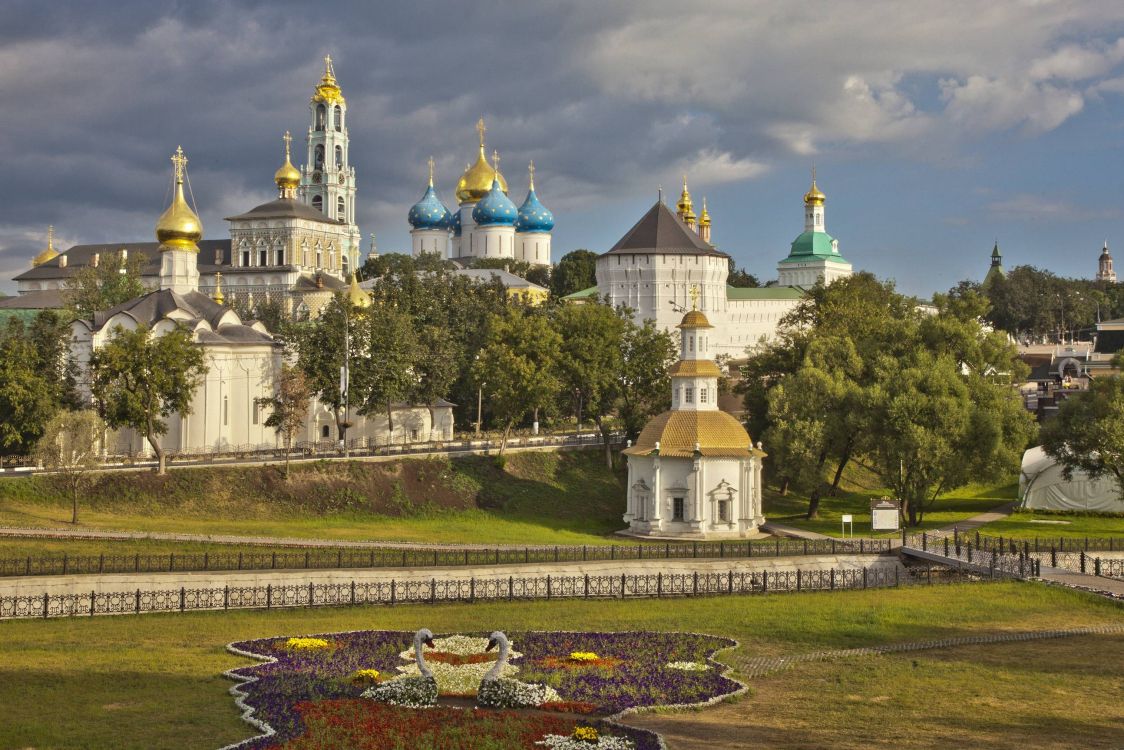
345,375
479,407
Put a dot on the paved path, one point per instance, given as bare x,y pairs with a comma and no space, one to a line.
780,529
718,727
968,524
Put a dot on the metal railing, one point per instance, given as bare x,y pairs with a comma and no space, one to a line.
1045,544
471,589
960,551
397,557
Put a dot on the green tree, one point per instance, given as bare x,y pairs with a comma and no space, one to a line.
28,397
389,351
739,277
591,361
575,271
138,380
70,451
288,407
112,281
318,346
647,354
434,367
517,366
1088,432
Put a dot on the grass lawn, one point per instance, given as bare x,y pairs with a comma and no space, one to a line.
990,696
536,498
859,487
153,681
1022,524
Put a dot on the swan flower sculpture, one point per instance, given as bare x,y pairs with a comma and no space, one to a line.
497,691
415,691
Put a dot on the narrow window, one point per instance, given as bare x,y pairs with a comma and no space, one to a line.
263,257
245,257
280,256
324,431
677,509
343,263
319,155
723,510
341,209
702,395
690,395
321,114
339,156
337,117
318,202
319,258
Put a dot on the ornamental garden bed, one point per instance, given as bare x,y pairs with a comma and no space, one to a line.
310,693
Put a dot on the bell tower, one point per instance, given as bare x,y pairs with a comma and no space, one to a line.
327,178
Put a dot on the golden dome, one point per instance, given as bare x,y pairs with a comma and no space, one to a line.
695,368
328,91
476,182
695,319
49,253
704,217
179,226
814,196
355,295
685,206
287,176
679,433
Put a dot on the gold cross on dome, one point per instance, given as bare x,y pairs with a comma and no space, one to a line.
531,171
288,140
694,296
430,162
481,129
180,162
496,161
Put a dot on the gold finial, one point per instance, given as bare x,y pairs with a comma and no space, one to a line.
684,182
179,162
531,171
694,296
430,162
496,162
287,177
481,130
288,141
328,90
51,237
217,296
814,196
49,253
329,71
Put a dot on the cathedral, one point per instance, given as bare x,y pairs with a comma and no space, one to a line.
487,223
666,257
298,249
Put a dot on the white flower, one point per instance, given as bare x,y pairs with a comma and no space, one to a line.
505,693
414,692
687,666
560,742
462,679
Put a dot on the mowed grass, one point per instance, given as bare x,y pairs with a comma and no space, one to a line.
153,681
535,498
857,490
1044,526
1010,696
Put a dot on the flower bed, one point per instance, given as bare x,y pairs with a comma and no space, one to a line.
303,692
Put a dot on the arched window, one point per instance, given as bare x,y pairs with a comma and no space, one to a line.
318,202
331,258
339,156
321,113
324,431
280,256
337,117
319,157
263,257
343,263
245,256
341,209
319,257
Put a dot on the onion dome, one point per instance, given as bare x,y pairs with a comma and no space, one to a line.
455,224
179,226
355,294
477,179
287,177
685,206
328,91
495,208
814,196
704,217
430,212
49,253
533,215
694,319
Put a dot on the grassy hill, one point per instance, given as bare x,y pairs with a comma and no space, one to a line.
534,498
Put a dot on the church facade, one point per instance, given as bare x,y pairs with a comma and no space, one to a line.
694,472
656,267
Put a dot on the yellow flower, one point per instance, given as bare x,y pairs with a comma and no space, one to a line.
366,674
583,656
306,644
585,734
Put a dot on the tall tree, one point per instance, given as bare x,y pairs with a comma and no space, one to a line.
434,367
319,349
647,354
739,277
99,287
389,351
575,271
71,450
288,407
138,380
28,397
517,366
1088,432
590,360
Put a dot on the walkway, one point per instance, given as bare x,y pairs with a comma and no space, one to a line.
968,524
718,727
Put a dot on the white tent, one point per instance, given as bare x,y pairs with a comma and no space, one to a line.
1042,486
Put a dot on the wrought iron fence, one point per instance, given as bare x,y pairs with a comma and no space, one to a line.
1045,544
389,592
394,557
961,551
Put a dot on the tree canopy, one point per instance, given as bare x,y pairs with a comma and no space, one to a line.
115,279
576,270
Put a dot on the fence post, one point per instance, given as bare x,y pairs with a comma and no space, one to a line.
526,554
929,573
956,540
339,558
946,546
226,597
831,577
778,547
805,546
556,553
171,562
721,549
240,560
1053,556
353,591
969,548
206,561
64,563
137,607
897,577
659,585
583,553
27,571
798,581
765,581
861,543
696,589
497,555
833,545
587,585
730,587
510,588
622,585
978,538
1096,566
306,559
310,594
393,591
466,556
101,563
547,585
612,552
268,595
183,597
1082,561
432,590
472,588
924,542
93,596
864,577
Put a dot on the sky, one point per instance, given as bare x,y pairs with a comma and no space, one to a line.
936,128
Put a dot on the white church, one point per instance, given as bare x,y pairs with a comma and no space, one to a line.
655,266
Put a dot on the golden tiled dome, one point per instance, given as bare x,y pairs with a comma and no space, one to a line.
695,319
695,368
716,433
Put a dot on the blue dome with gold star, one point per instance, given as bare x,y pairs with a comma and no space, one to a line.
533,215
495,208
456,224
430,212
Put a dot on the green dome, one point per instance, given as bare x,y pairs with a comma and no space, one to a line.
813,246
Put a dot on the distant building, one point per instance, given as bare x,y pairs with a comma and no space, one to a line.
1104,266
996,270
